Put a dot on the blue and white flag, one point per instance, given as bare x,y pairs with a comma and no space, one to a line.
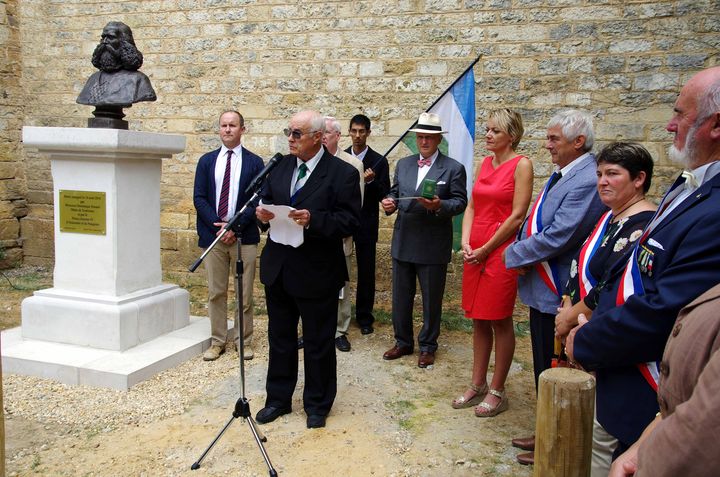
456,109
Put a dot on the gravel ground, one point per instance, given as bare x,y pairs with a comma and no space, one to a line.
389,419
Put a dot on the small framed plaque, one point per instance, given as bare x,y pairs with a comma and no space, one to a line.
82,212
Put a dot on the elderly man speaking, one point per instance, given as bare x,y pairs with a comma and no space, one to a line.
304,280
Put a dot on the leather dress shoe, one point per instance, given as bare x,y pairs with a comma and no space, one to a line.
301,343
527,458
366,330
315,421
397,351
524,443
269,414
427,358
342,343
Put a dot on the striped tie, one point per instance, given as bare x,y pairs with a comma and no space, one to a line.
225,190
302,171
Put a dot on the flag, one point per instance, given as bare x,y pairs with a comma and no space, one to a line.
456,108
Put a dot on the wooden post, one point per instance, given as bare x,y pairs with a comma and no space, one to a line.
2,428
563,429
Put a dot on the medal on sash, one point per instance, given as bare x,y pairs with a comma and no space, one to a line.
641,261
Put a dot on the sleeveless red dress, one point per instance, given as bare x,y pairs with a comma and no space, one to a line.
489,289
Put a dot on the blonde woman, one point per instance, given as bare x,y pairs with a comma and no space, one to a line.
500,199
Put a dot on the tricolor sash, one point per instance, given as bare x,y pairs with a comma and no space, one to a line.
547,270
631,280
592,243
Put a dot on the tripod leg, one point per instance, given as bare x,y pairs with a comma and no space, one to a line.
259,438
196,465
258,431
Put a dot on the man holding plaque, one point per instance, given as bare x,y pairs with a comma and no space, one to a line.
428,190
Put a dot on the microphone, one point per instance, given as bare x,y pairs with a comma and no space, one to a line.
258,180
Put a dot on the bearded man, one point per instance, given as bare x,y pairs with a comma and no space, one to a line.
675,260
118,83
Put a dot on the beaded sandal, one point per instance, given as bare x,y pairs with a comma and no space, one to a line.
480,392
486,410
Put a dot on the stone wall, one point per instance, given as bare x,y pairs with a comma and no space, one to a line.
13,190
623,60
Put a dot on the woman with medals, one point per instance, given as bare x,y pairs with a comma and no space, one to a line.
624,172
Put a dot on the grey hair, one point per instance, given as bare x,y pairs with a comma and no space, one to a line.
708,102
574,123
317,122
334,123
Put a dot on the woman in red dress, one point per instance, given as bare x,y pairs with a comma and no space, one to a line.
500,199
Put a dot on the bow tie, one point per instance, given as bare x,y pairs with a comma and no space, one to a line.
690,180
424,162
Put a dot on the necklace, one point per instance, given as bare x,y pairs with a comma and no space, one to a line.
616,217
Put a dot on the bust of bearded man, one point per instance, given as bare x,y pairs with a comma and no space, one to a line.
118,83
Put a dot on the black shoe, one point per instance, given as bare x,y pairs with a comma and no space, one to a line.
269,414
366,330
342,343
301,343
315,421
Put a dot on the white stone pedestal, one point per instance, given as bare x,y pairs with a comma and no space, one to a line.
107,295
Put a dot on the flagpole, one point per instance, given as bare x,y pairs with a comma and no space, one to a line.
433,104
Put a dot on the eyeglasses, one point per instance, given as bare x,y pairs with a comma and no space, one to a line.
295,133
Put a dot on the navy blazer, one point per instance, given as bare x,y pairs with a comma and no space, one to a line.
375,191
332,196
686,263
570,211
419,235
204,199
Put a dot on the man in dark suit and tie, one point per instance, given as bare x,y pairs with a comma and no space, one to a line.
304,281
562,216
675,260
422,237
377,185
221,178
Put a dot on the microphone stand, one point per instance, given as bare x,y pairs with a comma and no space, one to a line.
242,406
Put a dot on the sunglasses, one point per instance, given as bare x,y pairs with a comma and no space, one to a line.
295,133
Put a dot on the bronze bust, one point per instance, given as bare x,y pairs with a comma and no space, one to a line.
118,84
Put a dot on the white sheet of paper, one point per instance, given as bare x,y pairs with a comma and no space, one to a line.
283,229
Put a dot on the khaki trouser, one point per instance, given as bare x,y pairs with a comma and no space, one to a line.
344,303
603,447
220,267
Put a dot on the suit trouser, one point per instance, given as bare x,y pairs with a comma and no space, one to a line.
542,337
344,305
365,296
319,318
432,287
220,265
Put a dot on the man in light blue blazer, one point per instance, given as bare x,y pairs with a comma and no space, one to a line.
560,219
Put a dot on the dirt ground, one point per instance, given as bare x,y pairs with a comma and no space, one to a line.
389,418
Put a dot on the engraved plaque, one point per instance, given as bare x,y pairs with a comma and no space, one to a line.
82,212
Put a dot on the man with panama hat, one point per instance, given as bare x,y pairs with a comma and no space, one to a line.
422,237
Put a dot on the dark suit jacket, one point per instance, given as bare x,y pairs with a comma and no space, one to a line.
204,198
421,236
375,191
332,195
686,263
